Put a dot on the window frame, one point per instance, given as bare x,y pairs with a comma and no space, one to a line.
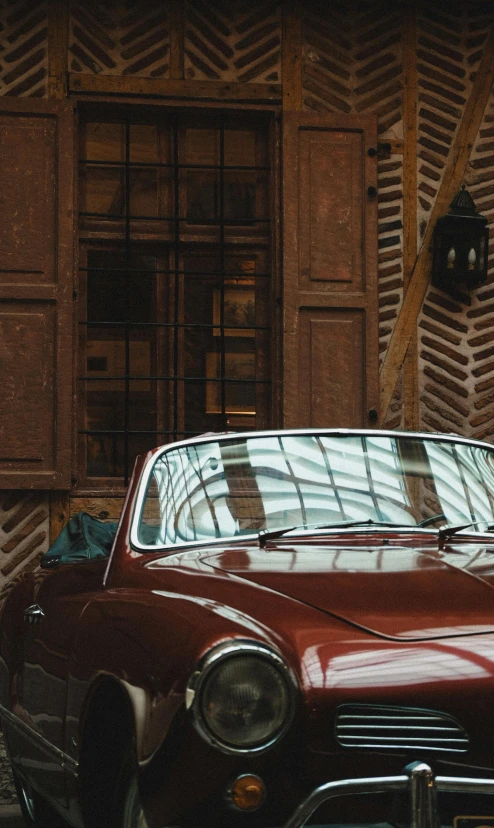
83,485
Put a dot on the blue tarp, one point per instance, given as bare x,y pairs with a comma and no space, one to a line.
84,538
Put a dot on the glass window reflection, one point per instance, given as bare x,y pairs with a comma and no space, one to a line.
240,485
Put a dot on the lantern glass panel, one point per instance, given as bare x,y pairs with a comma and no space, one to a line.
460,252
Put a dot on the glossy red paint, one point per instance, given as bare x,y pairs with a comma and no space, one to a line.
374,617
365,586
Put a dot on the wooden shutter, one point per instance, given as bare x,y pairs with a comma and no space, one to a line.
329,270
36,267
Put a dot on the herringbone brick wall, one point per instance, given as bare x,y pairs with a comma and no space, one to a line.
455,359
23,48
353,60
457,332
24,530
118,38
480,316
233,40
449,48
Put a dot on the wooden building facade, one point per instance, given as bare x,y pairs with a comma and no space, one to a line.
218,215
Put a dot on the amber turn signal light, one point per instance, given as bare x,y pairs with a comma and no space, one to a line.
248,792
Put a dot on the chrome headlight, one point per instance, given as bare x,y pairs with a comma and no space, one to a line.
242,697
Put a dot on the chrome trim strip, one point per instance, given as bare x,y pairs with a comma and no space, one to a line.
217,654
464,784
220,438
63,759
404,746
350,727
417,777
391,718
419,739
240,539
343,787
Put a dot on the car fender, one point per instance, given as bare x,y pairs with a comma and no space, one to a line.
15,597
150,643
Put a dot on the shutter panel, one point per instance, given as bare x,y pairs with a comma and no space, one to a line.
36,272
330,270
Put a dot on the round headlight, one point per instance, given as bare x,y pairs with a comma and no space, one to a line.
244,701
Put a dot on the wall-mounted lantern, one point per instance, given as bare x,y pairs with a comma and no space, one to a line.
460,245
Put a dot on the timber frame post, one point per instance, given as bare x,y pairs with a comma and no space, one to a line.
177,32
292,56
58,44
410,90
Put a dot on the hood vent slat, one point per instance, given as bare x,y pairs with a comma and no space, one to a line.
399,728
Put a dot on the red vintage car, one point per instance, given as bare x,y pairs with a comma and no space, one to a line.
286,628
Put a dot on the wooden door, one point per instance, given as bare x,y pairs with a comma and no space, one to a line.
36,273
330,270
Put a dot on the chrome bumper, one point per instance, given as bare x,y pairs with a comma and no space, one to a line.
417,778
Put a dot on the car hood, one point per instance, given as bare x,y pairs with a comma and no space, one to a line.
391,591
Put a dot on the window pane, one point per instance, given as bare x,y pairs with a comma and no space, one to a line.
231,349
202,196
244,192
117,291
240,148
240,190
143,185
143,143
104,142
202,146
105,418
103,190
118,353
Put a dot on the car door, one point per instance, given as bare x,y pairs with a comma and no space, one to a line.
50,625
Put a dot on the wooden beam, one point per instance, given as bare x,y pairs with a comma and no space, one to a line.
292,56
100,507
176,20
454,173
410,183
58,44
59,513
169,88
410,93
411,410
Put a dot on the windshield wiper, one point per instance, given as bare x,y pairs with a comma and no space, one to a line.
267,534
448,531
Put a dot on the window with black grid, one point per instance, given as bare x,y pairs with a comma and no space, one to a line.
175,333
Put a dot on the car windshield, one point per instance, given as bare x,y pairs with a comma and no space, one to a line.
240,485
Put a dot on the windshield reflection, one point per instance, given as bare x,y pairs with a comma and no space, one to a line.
244,484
